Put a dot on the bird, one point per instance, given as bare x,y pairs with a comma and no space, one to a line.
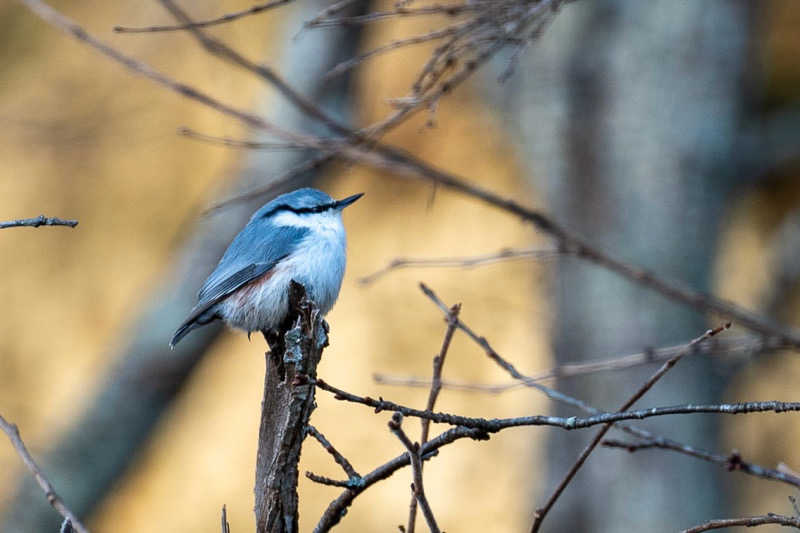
297,236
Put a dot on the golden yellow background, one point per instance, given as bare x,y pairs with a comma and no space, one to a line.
82,138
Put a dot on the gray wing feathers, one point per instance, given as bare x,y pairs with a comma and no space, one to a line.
260,242
254,252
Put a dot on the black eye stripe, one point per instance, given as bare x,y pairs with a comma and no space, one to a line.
299,210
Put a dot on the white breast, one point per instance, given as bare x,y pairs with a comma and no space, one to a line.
318,262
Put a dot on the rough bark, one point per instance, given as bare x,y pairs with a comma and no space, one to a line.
285,410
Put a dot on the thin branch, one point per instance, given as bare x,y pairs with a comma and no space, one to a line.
351,63
337,7
219,49
417,489
728,346
55,18
322,480
338,457
506,254
226,527
503,363
237,143
436,9
732,462
338,507
229,17
436,387
35,222
541,513
751,521
53,499
493,425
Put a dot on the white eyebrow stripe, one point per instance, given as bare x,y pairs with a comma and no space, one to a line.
325,221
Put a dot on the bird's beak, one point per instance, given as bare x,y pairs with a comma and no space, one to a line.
341,204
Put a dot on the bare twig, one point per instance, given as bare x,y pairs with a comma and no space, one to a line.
323,480
229,17
338,507
436,387
503,363
417,489
35,222
226,527
739,345
436,9
71,520
732,462
237,143
506,254
55,18
219,49
750,521
541,513
338,457
344,66
493,425
728,346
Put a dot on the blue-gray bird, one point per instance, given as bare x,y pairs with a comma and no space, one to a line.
297,236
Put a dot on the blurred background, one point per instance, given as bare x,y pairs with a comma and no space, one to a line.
666,133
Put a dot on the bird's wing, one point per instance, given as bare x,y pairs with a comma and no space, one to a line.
259,243
200,314
254,252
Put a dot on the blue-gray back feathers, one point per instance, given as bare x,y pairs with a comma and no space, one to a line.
254,252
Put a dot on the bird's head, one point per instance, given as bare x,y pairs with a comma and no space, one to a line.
304,207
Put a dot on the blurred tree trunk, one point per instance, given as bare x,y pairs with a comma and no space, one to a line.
627,118
94,454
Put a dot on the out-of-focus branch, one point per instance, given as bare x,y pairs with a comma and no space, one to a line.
732,462
750,521
237,143
727,346
228,17
223,51
506,254
35,222
285,410
12,431
417,488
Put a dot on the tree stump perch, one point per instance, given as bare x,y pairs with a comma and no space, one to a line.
291,368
